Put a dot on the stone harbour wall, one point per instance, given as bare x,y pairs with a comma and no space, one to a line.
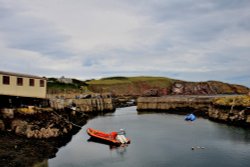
84,105
200,105
174,104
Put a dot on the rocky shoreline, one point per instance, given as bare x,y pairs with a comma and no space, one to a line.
31,135
54,121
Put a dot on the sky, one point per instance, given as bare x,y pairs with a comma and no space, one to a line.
192,40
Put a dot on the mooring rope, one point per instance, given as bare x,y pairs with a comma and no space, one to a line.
66,120
232,107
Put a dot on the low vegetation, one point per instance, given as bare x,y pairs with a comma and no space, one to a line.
233,101
56,86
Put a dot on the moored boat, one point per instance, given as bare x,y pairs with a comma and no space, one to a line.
112,137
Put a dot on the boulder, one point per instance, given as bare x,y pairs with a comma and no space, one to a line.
7,113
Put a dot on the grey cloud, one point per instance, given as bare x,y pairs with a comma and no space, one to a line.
28,33
188,39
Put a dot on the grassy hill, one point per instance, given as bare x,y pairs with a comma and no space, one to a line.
129,85
137,86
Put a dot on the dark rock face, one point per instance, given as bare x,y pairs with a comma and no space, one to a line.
206,88
192,89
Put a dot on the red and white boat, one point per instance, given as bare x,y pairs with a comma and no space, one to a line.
112,137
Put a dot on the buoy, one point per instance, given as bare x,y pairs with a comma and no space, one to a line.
190,117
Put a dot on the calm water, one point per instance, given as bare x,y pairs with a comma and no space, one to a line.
158,140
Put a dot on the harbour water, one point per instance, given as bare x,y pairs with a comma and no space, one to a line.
158,139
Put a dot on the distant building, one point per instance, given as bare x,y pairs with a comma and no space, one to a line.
65,80
22,85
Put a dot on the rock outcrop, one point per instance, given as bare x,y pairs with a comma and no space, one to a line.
227,115
39,123
206,88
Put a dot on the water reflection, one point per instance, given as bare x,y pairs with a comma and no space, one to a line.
159,139
119,149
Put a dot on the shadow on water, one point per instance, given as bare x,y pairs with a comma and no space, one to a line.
120,149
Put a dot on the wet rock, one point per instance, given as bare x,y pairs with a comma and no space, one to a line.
7,113
248,119
19,126
2,126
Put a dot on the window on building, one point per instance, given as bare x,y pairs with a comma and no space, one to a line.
41,83
32,82
19,81
6,80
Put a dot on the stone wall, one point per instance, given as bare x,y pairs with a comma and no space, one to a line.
83,105
174,103
200,105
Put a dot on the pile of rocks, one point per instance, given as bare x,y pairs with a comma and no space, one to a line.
39,125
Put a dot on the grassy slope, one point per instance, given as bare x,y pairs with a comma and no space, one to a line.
129,85
136,85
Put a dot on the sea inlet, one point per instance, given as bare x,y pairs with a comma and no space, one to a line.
157,139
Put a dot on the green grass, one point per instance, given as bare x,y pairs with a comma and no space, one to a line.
128,80
55,86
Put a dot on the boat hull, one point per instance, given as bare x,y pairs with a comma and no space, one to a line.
106,137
